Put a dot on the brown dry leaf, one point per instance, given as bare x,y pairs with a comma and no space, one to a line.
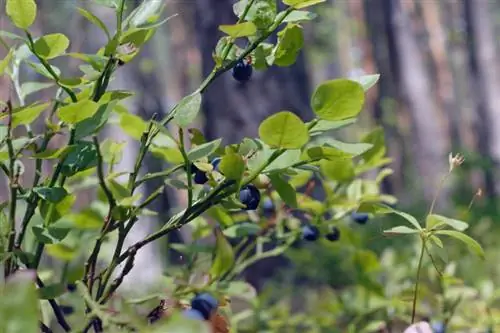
219,324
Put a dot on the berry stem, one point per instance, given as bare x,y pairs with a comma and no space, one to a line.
415,294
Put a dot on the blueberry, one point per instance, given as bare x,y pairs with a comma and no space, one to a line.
250,197
333,235
360,218
66,309
193,314
438,327
242,71
71,287
268,206
205,303
200,177
215,163
310,233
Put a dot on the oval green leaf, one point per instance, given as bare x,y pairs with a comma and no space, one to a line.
239,30
473,245
51,46
223,256
338,99
284,130
21,12
76,112
187,109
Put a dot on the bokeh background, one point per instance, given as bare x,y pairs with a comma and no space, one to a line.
439,63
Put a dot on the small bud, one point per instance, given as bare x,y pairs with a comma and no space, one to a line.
455,161
479,193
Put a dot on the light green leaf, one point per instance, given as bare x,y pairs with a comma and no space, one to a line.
146,12
51,46
223,256
61,251
187,109
433,220
284,130
232,166
40,69
325,125
95,20
340,169
21,12
94,124
133,125
203,150
19,305
286,191
53,153
378,150
32,87
180,324
300,15
298,4
76,112
239,30
290,41
6,61
338,99
401,230
436,240
353,149
367,81
262,12
473,245
26,115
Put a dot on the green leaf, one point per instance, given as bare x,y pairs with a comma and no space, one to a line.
473,245
262,12
40,69
49,235
239,30
284,130
51,212
368,81
179,324
341,169
232,166
82,157
401,230
53,153
220,215
434,220
6,61
300,15
325,125
203,150
328,153
407,217
338,99
96,122
146,12
302,3
133,125
19,305
112,152
353,149
95,20
52,291
28,88
286,191
51,46
21,12
187,109
51,194
89,218
61,251
76,112
26,115
243,229
290,41
223,256
378,150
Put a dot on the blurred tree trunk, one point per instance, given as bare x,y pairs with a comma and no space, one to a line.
483,71
429,149
233,111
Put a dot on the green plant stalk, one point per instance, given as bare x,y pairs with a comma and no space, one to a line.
187,164
436,194
13,192
415,294
56,309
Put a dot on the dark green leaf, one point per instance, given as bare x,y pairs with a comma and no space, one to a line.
243,229
187,109
52,291
50,235
83,157
203,150
51,194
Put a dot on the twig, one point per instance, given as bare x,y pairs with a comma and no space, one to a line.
44,328
13,191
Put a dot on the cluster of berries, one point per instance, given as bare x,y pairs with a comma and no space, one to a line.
312,233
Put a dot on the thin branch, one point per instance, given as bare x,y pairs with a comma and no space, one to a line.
56,309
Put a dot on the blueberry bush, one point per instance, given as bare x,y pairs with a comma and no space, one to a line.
254,197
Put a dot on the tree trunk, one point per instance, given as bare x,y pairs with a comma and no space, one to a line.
233,111
483,71
429,151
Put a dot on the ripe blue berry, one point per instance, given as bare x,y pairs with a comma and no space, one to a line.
242,71
310,233
333,235
250,197
71,287
215,163
193,314
360,218
200,177
205,303
438,327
